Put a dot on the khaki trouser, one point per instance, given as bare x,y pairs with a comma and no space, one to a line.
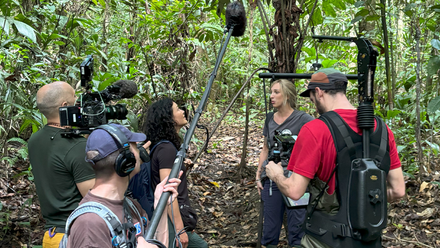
310,242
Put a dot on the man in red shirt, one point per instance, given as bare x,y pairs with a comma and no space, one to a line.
314,153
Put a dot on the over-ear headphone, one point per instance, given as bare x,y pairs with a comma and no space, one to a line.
126,161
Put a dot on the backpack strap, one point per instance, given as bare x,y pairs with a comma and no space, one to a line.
135,210
112,221
342,128
158,143
328,117
269,117
383,139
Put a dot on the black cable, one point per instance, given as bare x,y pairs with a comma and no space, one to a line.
200,126
156,242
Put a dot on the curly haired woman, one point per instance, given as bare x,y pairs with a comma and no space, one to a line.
163,122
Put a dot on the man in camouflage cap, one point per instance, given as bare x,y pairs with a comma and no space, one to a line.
314,155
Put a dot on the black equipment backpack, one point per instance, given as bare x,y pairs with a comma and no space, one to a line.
141,185
360,189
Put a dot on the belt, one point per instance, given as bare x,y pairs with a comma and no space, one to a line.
54,230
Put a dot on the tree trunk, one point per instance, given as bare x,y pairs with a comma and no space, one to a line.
265,24
286,18
393,66
387,56
418,86
242,166
104,36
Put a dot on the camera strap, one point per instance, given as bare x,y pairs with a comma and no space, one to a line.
269,117
321,193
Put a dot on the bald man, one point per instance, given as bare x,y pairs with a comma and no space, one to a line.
61,174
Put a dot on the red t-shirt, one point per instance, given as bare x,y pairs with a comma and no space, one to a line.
314,152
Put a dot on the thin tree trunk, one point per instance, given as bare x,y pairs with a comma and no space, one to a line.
252,6
284,38
418,86
387,56
104,36
246,135
302,36
393,66
265,24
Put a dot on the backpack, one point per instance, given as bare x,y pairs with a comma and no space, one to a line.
119,239
141,185
360,189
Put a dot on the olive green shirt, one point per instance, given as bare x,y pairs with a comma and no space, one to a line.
58,164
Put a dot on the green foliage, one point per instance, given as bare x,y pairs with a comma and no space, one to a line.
169,49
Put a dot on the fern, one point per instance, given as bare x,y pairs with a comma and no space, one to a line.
16,139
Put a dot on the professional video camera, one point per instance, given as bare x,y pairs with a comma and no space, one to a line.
91,108
281,151
282,148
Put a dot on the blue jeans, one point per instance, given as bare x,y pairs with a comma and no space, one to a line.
274,208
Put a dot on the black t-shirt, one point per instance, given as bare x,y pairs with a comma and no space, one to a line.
163,158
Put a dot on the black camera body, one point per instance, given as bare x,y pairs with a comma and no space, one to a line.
91,109
283,146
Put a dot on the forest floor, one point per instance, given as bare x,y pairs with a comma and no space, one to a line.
227,202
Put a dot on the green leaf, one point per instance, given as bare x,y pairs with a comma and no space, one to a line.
339,4
4,23
433,65
356,19
25,30
436,44
19,140
95,2
59,43
317,16
372,18
409,9
359,4
56,36
435,148
434,105
436,8
328,63
392,113
328,9
363,12
102,2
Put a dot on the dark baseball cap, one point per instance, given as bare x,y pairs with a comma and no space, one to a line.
325,79
105,144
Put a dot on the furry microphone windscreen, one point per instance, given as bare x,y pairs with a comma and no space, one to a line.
128,88
236,18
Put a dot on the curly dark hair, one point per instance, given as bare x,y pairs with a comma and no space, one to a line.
159,124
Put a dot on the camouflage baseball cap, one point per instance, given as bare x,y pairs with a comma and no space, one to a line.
325,79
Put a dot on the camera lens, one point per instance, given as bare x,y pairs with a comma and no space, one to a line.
118,111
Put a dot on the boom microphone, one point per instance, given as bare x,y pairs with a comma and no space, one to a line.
121,89
236,18
128,88
235,25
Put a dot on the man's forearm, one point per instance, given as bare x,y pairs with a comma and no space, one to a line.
391,196
282,183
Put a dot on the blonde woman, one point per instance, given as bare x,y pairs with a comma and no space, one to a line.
286,117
